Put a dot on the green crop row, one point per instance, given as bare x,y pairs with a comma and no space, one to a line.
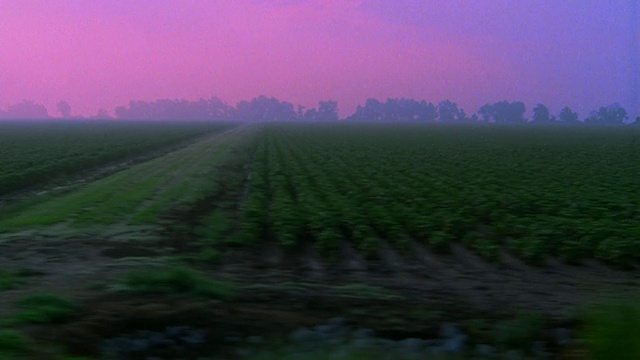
572,193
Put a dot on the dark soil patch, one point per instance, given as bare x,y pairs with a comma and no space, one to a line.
124,251
272,313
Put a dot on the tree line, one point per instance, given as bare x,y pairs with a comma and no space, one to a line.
263,108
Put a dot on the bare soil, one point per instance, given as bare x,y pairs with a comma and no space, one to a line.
400,295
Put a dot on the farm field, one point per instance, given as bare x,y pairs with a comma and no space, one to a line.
36,152
571,193
267,229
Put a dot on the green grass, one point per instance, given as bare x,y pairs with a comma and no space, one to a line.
210,255
139,195
13,342
10,279
37,152
177,280
214,227
612,331
519,332
42,309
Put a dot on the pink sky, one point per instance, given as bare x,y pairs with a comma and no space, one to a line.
101,54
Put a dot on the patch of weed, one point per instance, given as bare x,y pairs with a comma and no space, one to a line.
176,280
519,332
611,331
97,285
42,309
209,255
13,342
9,279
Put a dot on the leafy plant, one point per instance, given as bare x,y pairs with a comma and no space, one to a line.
611,331
43,309
176,280
519,332
9,279
13,342
209,254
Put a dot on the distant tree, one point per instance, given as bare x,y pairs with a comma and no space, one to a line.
395,110
427,112
328,111
541,114
300,112
568,116
358,115
26,110
487,113
462,116
102,114
373,110
448,111
263,108
503,112
613,114
311,115
174,109
515,112
121,112
637,122
64,109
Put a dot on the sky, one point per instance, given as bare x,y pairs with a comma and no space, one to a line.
101,54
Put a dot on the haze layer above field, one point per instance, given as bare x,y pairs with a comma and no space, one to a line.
581,54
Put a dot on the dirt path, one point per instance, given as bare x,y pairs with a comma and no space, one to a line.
510,287
69,183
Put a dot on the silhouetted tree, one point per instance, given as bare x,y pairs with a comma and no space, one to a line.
427,112
102,115
541,114
327,111
394,110
26,110
263,108
613,114
64,109
503,112
167,109
311,115
300,112
568,116
448,111
487,113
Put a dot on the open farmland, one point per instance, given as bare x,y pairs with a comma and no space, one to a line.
35,152
536,192
397,228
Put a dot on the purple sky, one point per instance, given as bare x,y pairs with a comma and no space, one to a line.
100,54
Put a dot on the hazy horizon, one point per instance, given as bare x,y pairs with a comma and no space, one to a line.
100,55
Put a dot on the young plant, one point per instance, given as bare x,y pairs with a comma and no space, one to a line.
177,280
